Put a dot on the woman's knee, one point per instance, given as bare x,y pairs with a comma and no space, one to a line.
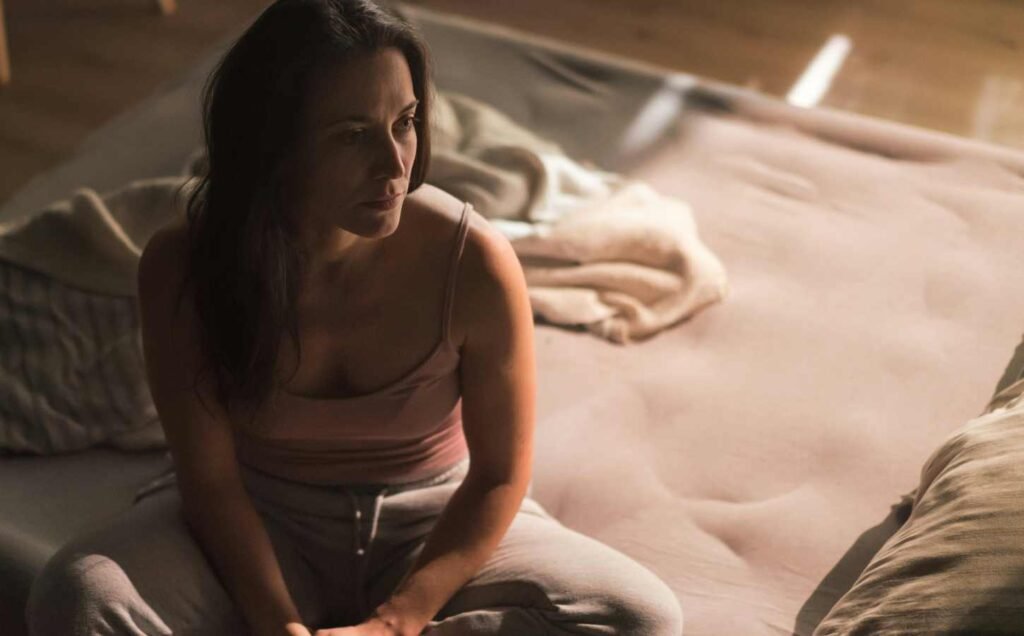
652,610
83,593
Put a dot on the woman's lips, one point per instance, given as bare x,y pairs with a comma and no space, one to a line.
387,204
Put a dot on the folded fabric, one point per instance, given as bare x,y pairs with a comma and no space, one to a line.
626,267
73,376
598,250
513,177
481,156
93,242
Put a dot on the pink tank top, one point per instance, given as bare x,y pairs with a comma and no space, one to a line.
404,432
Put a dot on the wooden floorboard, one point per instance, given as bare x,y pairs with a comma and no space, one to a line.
76,64
949,65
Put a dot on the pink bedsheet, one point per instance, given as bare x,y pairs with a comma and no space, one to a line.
751,456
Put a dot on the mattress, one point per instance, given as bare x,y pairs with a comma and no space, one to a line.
755,455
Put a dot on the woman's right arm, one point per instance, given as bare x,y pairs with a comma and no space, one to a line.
215,503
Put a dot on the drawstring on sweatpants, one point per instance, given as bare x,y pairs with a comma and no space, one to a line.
378,503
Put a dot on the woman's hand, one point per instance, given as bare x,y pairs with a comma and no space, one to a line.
296,629
372,627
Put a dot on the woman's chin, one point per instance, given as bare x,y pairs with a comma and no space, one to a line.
385,222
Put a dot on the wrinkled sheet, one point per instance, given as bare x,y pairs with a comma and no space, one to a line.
752,455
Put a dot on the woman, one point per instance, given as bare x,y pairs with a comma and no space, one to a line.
342,359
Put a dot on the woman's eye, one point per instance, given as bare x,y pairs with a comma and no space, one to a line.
409,123
354,135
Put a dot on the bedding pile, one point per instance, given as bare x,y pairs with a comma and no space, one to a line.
73,376
597,249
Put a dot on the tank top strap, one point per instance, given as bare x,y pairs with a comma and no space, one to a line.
453,268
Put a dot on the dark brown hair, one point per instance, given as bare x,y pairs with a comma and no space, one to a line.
244,263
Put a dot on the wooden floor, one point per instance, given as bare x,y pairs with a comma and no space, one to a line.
950,65
77,63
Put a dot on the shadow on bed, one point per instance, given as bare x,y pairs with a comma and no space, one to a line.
845,572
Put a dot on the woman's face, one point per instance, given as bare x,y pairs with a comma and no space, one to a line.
359,146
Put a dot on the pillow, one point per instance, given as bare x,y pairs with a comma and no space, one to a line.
71,369
957,564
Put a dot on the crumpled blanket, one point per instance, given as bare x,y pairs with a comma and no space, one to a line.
92,241
598,250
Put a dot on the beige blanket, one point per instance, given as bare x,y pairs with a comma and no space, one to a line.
91,241
598,250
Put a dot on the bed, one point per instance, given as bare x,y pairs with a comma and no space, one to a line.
754,456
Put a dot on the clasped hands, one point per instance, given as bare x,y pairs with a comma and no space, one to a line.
373,626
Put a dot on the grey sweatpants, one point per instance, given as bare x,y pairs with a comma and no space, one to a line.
342,551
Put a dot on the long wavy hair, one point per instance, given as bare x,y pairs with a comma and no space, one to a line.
244,264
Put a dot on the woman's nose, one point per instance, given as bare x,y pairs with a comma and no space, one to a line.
390,162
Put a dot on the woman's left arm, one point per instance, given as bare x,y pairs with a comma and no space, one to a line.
498,380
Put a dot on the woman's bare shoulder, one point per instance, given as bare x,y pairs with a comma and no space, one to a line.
163,258
444,211
486,250
490,265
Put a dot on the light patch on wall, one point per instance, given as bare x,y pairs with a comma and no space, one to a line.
658,114
817,78
998,108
